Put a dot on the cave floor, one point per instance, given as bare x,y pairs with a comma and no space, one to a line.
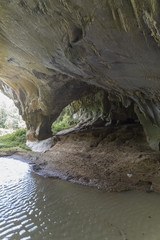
115,158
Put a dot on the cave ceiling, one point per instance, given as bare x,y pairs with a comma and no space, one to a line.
55,51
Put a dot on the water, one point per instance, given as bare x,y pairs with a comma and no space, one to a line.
32,207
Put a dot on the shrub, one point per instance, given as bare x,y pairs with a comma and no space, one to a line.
15,139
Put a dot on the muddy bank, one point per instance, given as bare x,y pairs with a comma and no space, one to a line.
115,159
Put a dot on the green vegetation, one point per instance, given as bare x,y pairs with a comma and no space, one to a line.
15,139
9,114
3,117
64,121
90,106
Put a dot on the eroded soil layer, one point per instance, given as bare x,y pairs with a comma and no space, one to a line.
113,158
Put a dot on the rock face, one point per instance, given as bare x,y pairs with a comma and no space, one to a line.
54,52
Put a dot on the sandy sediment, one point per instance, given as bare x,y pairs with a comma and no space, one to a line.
115,159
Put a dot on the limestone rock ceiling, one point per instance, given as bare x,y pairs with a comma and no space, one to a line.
53,51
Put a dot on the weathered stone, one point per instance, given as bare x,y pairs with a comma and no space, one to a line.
40,146
51,51
99,109
151,129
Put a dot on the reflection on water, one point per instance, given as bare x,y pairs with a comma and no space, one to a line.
12,171
35,208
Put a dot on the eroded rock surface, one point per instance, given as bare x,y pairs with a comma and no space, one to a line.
55,52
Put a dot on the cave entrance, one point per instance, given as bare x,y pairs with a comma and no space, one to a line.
95,110
12,127
66,119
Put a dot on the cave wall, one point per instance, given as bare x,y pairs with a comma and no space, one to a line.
54,52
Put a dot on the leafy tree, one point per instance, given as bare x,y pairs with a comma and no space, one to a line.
9,115
3,117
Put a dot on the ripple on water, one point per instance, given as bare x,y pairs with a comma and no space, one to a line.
32,207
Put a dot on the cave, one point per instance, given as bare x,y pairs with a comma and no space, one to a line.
57,52
100,60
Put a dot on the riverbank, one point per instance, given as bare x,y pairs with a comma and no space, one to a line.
117,158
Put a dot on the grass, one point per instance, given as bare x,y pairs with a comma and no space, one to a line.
16,139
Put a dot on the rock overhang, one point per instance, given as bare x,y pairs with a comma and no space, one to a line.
54,52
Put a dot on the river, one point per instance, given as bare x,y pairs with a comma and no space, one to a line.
37,208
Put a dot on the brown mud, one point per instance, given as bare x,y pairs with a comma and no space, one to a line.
115,158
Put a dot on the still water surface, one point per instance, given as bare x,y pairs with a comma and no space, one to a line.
32,207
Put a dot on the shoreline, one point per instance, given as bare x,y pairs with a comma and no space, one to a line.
117,159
